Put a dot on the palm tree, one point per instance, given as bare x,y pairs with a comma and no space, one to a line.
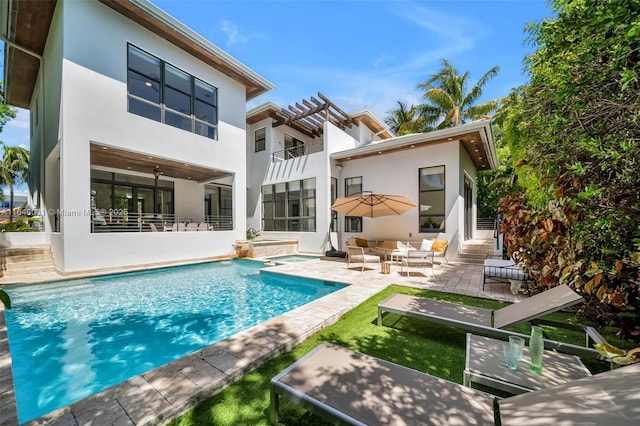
404,120
449,102
14,170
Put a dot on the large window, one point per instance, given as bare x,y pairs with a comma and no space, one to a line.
218,206
289,206
162,92
352,186
260,138
432,199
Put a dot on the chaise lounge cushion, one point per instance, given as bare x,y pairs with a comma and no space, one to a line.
504,269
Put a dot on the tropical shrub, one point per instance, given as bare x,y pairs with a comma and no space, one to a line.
574,134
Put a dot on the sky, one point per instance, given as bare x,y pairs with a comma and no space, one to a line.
358,53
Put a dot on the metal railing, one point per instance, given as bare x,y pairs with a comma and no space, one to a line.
298,151
486,223
150,222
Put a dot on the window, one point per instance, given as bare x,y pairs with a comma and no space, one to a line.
218,206
289,206
293,147
334,197
161,92
260,137
432,199
352,186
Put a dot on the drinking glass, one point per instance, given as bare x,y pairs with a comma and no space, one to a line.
510,356
518,344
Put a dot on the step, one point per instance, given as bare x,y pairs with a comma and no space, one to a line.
28,271
18,266
24,251
27,258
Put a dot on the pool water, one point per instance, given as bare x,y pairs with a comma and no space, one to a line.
72,339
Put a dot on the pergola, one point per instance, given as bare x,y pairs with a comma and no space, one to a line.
310,117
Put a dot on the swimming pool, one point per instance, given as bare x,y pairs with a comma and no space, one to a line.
72,339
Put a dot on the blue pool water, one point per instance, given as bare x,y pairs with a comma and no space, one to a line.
72,339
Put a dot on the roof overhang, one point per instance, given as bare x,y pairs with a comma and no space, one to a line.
476,137
372,121
116,158
25,27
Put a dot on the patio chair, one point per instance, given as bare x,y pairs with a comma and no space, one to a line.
487,322
417,258
348,387
356,255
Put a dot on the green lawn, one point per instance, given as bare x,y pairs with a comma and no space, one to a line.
420,345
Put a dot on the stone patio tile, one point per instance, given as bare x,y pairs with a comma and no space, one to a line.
226,362
172,385
61,417
109,413
203,374
142,402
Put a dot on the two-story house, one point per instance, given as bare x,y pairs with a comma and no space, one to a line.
137,125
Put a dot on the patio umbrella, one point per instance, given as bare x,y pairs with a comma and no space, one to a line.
368,204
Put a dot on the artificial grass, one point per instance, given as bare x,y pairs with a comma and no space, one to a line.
421,345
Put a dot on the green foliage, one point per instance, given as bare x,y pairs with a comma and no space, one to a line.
252,234
6,112
14,170
449,102
4,298
21,224
575,138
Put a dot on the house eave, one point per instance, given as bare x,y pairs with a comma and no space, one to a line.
25,27
476,137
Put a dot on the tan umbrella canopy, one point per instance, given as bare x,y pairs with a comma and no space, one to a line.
368,204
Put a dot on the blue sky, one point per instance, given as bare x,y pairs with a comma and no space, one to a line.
357,53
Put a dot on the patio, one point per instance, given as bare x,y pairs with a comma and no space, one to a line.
167,391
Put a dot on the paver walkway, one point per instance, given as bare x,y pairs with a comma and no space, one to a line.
165,392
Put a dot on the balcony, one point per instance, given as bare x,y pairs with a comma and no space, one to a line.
149,222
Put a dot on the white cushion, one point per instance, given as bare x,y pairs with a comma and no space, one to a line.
426,245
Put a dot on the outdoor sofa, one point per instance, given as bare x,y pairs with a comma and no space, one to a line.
348,387
492,323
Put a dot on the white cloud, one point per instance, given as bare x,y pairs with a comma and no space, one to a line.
21,122
232,32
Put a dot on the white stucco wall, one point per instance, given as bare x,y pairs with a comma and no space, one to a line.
92,53
397,174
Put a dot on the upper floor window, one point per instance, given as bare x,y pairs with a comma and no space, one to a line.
162,92
260,138
432,199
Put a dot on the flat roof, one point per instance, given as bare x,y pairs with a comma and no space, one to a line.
476,137
27,24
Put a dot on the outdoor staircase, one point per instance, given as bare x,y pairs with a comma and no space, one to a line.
475,251
22,262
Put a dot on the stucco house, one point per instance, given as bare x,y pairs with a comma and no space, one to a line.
139,132
301,158
137,122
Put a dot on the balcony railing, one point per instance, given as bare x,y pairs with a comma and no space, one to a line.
298,151
149,222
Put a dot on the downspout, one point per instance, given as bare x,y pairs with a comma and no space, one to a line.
5,37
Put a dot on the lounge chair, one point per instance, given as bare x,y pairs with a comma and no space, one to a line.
347,387
501,271
487,322
356,255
